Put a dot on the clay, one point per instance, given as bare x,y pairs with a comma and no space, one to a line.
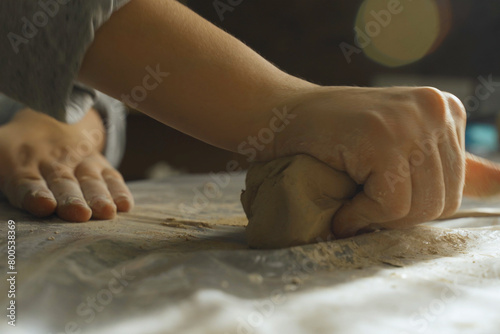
291,201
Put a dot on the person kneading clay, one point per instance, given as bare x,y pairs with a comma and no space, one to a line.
370,157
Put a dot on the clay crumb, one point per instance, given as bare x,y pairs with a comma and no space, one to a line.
56,232
170,222
256,278
290,287
173,224
51,238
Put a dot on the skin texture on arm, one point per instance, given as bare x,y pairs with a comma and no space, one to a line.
51,167
405,145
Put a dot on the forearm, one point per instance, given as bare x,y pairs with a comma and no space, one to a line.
218,89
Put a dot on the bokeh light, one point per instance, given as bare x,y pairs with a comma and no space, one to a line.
400,32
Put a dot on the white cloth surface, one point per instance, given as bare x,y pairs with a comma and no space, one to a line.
183,267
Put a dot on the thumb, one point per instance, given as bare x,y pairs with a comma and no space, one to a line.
379,202
482,178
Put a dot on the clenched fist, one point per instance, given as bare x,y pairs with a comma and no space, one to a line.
404,145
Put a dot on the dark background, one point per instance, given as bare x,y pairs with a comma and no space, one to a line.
302,37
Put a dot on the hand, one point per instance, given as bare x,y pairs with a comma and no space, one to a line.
47,166
404,145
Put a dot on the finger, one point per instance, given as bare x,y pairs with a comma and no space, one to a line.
459,115
71,205
452,154
95,190
39,200
27,190
428,198
482,178
119,191
386,197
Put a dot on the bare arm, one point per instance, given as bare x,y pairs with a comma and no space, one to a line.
217,90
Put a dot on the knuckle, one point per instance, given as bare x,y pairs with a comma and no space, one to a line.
87,172
27,176
89,178
433,100
26,154
462,115
430,93
53,168
59,152
9,183
21,178
61,177
111,173
378,127
457,108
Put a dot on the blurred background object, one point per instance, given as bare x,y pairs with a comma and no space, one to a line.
482,139
453,45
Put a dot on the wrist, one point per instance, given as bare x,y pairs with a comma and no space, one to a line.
302,122
277,116
91,129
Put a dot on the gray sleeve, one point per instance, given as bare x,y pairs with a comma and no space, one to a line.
113,114
8,108
42,46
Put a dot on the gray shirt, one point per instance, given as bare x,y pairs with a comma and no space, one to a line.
42,45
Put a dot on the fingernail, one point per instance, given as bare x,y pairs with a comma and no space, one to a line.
42,194
101,201
123,198
75,201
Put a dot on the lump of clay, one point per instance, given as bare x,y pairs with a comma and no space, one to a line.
291,201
